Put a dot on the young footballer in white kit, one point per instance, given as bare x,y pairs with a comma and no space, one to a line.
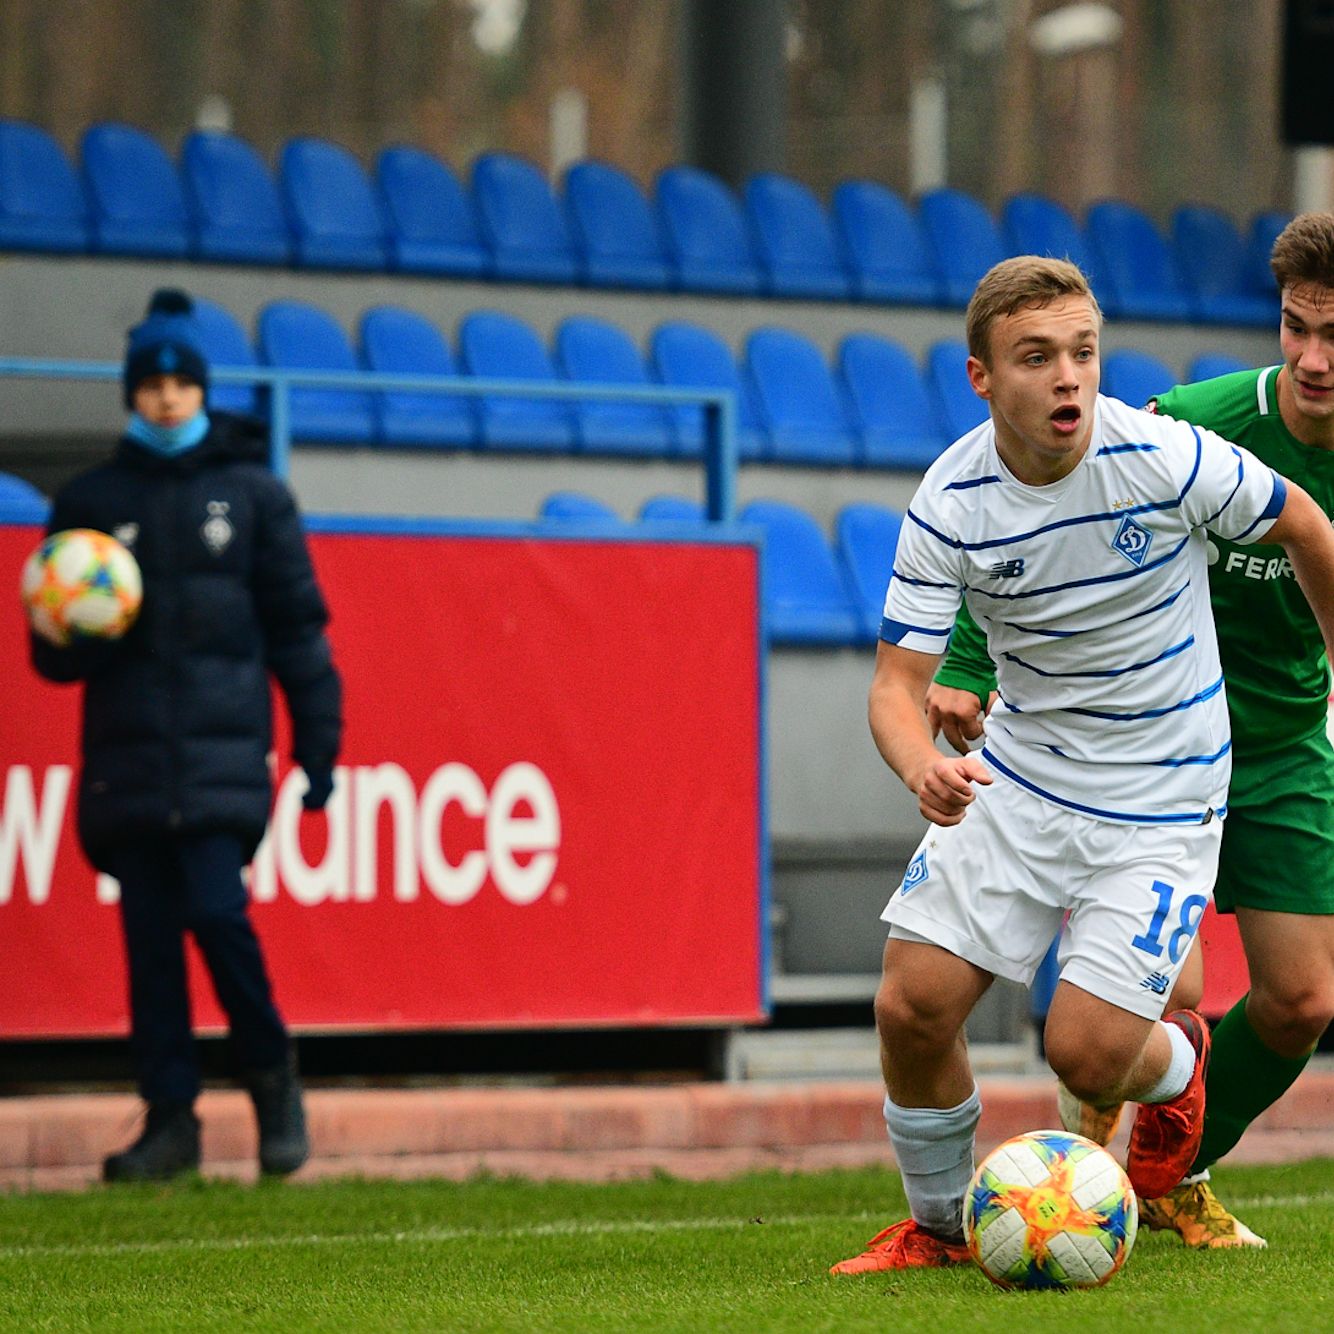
1276,862
1077,526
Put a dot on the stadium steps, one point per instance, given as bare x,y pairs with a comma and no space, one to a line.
690,1130
848,1053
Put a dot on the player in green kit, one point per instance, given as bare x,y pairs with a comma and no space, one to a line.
1276,869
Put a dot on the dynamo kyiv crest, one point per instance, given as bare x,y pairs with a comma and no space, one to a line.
1132,540
915,873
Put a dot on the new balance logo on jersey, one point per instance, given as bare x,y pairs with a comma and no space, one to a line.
1157,983
915,873
1007,569
1132,540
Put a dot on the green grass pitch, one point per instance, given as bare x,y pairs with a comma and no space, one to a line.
662,1255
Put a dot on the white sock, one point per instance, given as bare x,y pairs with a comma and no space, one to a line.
1179,1069
934,1148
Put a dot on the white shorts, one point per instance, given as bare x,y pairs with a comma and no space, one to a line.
995,888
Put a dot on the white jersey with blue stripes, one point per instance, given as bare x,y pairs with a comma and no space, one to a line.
1094,597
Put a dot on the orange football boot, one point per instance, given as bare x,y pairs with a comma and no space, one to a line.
1166,1135
905,1245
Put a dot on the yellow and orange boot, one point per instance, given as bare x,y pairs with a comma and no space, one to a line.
1198,1217
1081,1118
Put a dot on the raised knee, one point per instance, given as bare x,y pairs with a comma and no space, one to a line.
1086,1079
905,1019
1090,1086
1090,1073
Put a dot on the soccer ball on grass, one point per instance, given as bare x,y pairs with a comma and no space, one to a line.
1048,1209
81,582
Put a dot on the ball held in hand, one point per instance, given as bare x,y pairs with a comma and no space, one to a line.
81,583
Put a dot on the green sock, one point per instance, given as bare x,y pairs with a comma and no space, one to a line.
1245,1077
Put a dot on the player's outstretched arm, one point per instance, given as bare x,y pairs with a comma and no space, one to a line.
943,784
1303,530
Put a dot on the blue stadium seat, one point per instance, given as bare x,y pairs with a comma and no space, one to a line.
885,249
865,537
1212,258
705,233
594,350
401,342
576,507
20,501
672,509
522,225
233,201
806,599
794,240
615,232
958,409
890,407
799,403
1032,224
136,204
1210,365
688,356
1135,377
1138,278
496,346
226,343
41,202
430,223
331,207
292,335
1260,238
964,238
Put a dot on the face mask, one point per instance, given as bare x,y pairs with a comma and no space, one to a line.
168,440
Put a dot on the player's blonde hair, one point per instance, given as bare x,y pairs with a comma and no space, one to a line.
1304,251
1026,280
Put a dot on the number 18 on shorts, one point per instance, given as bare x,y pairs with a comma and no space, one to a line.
996,888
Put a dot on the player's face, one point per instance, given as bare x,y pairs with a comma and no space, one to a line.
167,400
1306,337
1042,385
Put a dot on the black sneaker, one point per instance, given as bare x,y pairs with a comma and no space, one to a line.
168,1147
276,1093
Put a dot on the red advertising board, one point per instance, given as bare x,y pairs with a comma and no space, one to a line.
1226,977
547,810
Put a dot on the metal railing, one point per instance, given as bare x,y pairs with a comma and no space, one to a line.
719,406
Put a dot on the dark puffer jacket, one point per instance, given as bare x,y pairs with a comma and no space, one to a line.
177,722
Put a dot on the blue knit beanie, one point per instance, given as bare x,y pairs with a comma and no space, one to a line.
166,343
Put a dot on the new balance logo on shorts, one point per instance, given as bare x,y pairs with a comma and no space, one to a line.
1007,569
1157,983
915,873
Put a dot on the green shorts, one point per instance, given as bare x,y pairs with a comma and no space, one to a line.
1278,838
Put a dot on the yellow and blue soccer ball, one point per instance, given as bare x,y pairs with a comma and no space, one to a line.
1048,1209
81,582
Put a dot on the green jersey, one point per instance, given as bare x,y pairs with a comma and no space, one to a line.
1270,644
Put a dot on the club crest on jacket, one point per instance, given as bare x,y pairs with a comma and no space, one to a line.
217,530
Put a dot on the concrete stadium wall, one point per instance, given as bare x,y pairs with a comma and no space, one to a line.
81,308
372,481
